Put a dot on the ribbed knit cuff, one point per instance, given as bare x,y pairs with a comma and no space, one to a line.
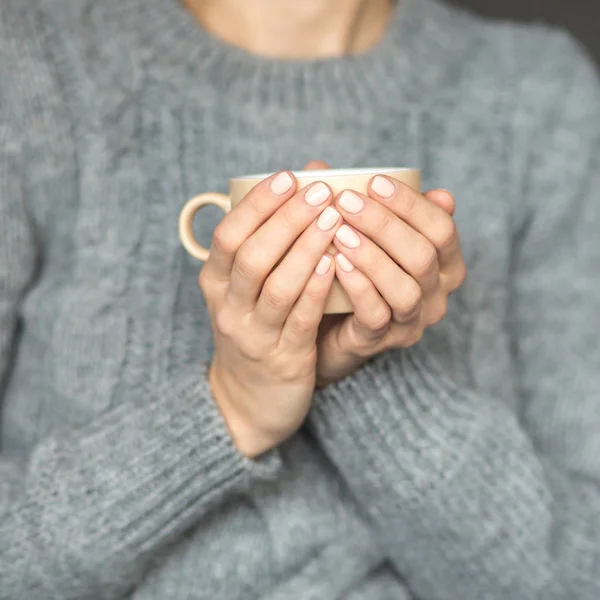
210,439
156,468
402,414
448,476
108,497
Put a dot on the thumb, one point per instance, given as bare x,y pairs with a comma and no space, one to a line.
443,198
316,164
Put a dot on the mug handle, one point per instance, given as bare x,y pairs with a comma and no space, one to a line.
186,221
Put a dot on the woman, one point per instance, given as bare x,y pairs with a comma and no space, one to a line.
154,446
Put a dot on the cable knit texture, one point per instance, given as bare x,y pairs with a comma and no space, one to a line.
466,467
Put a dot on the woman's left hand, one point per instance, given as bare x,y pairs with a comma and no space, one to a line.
399,258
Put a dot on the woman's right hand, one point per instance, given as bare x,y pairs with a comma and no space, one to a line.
265,310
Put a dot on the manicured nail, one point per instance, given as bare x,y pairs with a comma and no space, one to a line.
348,237
351,202
317,194
323,265
344,263
282,183
329,217
383,187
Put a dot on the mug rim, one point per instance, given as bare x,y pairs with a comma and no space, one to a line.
332,172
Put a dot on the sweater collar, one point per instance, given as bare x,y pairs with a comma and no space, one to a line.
425,43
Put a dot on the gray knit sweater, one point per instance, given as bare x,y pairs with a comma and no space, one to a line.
467,467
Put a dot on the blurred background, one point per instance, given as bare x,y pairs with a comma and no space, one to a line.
582,17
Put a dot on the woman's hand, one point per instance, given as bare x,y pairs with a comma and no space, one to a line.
399,259
266,306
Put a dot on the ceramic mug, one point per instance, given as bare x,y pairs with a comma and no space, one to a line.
337,179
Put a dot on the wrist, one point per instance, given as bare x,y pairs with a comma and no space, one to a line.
248,439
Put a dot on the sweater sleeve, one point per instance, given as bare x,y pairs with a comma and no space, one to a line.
474,499
83,514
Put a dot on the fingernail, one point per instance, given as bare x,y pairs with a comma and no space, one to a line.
348,237
344,263
329,217
323,265
282,183
351,202
383,187
317,194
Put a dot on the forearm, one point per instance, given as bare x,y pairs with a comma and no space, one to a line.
92,507
452,482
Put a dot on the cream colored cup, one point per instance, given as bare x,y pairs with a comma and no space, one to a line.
337,179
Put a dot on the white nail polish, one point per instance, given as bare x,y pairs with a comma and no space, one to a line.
344,263
317,194
329,217
351,202
383,187
323,266
348,237
281,183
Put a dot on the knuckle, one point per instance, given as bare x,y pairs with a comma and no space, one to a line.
451,204
223,240
248,351
379,319
315,292
314,297
461,275
204,280
290,369
446,234
426,262
439,311
408,305
248,261
413,336
302,325
251,350
360,345
224,323
408,336
275,296
244,268
363,349
253,347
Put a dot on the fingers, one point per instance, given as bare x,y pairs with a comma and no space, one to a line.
403,244
421,214
316,165
259,254
245,218
401,292
372,314
302,324
443,198
455,272
286,283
